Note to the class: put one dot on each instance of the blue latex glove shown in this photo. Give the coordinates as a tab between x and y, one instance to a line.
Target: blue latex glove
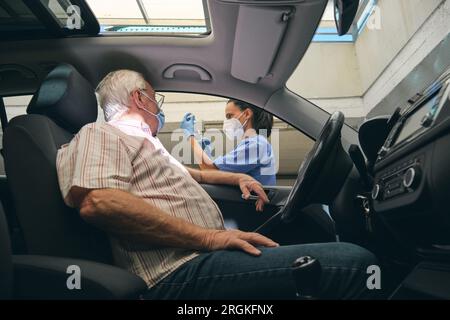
187	124
206	146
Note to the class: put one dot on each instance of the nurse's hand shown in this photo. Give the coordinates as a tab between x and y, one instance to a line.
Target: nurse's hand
206	146
187	124
248	185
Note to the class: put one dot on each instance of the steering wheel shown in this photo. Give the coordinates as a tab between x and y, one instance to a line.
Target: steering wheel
313	184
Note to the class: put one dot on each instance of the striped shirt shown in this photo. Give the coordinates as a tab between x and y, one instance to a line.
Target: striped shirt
124	155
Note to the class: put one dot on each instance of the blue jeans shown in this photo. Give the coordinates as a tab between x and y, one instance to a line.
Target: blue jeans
237	275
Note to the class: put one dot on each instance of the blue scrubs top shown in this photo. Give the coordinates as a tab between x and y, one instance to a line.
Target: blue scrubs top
252	156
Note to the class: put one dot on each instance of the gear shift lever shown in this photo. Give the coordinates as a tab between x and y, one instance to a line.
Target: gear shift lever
307	271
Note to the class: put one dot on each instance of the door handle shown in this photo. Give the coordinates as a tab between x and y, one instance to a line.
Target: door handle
169	73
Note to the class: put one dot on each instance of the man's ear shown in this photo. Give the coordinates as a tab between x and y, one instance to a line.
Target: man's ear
137	98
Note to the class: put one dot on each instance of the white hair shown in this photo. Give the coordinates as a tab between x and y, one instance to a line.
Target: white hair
114	91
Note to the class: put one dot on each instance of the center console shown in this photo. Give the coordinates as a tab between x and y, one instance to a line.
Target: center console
411	190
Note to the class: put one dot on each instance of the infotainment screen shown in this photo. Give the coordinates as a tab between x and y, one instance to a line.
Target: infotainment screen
414	121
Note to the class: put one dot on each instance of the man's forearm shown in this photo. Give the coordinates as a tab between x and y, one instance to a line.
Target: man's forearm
220	177
129	217
215	177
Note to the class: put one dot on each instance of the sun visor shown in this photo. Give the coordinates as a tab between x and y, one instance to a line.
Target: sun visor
259	32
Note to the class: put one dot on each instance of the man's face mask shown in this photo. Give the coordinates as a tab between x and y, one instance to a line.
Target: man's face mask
160	115
233	128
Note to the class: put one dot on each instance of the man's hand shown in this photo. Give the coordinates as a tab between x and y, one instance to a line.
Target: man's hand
248	185
238	240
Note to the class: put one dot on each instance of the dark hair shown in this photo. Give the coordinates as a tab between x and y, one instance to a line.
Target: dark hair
261	119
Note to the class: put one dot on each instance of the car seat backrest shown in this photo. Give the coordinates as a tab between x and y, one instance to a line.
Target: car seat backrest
64	103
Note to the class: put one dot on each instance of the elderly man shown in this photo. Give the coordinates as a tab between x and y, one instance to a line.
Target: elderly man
164	227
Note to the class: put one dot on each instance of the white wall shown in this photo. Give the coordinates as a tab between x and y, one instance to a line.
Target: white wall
413	55
400	20
328	70
355	77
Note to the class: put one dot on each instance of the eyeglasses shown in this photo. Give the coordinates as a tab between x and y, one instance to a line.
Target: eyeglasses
159	99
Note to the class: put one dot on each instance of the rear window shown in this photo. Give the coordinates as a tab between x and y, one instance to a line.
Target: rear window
16	106
151	16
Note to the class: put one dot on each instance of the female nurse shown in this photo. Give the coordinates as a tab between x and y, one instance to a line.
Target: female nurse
253	155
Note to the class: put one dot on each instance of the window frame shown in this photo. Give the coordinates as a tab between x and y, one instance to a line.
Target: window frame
207	25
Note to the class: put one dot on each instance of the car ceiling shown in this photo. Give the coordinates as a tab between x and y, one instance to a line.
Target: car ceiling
152	55
220	58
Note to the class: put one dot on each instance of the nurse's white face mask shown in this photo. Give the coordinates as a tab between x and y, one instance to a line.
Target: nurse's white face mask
233	128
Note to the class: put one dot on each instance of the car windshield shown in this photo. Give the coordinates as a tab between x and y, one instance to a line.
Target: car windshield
382	61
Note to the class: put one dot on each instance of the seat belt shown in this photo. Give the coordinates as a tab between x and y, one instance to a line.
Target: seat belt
3	120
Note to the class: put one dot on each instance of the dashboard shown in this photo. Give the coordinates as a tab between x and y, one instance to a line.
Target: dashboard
411	189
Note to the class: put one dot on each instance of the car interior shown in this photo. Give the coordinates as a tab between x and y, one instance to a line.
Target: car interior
386	185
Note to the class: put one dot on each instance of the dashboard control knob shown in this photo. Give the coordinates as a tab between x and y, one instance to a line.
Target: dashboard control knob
427	120
376	191
411	178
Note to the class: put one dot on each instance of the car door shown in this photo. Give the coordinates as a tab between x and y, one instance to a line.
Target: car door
289	146
241	214
313	224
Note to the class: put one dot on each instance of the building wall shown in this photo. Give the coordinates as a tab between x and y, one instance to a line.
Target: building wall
421	60
400	20
338	76
328	70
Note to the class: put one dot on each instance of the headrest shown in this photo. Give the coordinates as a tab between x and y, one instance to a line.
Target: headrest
67	98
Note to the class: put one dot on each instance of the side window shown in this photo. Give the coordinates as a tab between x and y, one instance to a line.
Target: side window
289	146
16	105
